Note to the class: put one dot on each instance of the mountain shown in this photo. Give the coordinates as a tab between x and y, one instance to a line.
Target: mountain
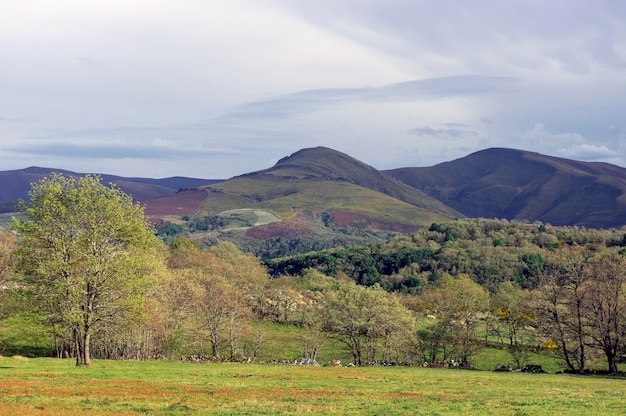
15	184
322	193
321	180
527	186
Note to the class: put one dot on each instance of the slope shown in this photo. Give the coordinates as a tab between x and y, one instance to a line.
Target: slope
317	180
15	184
521	185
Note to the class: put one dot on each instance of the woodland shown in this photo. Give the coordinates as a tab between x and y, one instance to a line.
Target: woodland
85	265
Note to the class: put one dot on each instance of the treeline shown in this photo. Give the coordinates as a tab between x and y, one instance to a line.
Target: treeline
268	248
204	303
489	251
88	266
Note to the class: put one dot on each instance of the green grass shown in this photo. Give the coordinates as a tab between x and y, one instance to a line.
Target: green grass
51	386
280	197
25	335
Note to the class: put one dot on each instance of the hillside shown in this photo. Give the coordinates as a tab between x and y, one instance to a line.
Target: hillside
15	184
527	186
316	198
320	180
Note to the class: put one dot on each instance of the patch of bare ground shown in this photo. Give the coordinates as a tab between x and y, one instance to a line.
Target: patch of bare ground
181	203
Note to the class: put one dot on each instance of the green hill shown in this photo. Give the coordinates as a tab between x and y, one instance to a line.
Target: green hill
320	180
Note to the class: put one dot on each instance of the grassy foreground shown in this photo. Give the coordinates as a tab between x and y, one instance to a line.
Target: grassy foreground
46	386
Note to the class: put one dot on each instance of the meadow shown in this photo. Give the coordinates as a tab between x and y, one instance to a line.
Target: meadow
48	386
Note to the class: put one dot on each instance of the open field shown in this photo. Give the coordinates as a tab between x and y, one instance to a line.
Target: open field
45	386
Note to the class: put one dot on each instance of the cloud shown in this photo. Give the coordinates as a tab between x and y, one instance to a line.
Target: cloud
570	145
589	152
292	104
441	132
156	149
229	87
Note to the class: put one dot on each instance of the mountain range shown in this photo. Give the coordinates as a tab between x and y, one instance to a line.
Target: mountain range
320	190
15	184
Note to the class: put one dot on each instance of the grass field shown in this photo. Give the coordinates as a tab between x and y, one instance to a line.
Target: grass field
46	386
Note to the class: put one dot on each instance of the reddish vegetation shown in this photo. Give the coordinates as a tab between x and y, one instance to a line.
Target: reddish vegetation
344	218
279	229
180	203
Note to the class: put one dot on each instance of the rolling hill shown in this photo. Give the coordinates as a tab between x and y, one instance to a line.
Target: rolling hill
316	193
320	194
15	184
322	180
526	186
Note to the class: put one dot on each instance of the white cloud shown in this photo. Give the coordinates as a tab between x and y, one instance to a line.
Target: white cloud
231	86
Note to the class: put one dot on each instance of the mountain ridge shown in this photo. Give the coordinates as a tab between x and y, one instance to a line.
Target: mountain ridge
490	183
15	184
526	186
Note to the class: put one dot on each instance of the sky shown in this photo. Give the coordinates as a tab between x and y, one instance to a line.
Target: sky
218	88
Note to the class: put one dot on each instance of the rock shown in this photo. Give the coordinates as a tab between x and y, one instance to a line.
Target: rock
533	368
502	367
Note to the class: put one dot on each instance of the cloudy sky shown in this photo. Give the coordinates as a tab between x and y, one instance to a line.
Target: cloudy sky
217	88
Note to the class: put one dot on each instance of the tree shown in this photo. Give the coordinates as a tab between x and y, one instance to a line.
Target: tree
7	258
87	253
512	308
361	316
559	302
222	311
344	316
605	308
7	254
457	304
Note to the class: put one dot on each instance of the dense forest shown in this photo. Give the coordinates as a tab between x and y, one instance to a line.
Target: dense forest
489	251
87	266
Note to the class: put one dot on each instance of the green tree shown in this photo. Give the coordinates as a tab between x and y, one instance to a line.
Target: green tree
513	310
7	258
361	317
87	254
222	311
7	254
457	305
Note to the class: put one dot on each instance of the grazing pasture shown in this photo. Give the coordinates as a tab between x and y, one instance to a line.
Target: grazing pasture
46	386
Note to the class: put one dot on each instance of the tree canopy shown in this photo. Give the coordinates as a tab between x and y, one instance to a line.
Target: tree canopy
87	254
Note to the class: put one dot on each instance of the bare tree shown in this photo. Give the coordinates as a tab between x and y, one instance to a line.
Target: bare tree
559	304
605	306
222	310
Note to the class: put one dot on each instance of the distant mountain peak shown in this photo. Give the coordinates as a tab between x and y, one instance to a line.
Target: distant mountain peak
324	162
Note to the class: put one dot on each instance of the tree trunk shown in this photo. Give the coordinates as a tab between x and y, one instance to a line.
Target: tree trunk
77	348
87	349
611	358
215	345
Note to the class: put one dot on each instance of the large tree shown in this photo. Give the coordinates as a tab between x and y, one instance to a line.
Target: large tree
7	257
360	317
86	253
457	305
605	308
560	302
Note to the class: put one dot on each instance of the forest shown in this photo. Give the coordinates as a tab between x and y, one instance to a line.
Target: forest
85	264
